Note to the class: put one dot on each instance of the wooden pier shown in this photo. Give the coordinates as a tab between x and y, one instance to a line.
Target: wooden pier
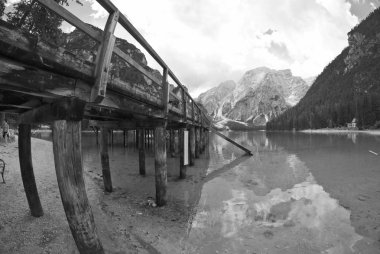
46	84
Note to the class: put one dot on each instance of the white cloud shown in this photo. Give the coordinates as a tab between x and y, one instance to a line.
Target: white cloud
209	41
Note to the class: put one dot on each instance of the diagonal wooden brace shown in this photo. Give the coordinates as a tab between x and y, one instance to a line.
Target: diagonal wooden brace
103	59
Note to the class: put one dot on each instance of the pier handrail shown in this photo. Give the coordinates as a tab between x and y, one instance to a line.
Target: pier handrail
107	40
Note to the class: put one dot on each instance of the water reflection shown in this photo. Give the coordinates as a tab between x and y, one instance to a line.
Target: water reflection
271	203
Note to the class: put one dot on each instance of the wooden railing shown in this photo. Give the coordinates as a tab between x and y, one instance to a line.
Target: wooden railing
190	110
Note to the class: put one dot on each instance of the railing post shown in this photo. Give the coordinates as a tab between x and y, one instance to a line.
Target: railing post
103	58
165	94
184	104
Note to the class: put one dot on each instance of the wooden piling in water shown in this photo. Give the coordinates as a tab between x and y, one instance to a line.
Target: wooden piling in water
160	165
97	135
200	141
191	146
142	151
172	142
181	144
26	167
104	157
69	170
123	138
197	147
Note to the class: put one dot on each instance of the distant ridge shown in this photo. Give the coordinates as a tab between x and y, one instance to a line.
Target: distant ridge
348	88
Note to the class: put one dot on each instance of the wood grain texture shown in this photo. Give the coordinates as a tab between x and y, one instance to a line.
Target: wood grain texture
160	164
103	58
181	143
68	166
104	157
27	174
142	141
197	145
192	146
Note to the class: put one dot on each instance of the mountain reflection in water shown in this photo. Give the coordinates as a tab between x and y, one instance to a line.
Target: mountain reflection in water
271	203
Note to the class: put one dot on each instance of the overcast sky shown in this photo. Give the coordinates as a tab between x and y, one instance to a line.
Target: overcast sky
206	42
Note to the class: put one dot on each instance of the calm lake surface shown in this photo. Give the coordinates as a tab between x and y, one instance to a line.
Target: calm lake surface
299	193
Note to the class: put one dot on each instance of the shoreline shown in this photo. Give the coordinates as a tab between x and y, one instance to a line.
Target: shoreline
123	218
339	131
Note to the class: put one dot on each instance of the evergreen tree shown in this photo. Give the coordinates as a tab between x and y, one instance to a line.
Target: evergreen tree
2	7
34	18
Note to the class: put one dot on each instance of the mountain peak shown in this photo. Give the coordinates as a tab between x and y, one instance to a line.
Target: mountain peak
262	93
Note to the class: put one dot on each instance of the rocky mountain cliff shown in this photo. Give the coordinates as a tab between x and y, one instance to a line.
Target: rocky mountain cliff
260	95
348	88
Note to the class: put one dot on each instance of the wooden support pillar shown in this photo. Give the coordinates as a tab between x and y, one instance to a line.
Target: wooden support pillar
172	143
192	145
160	165
105	161
111	138
123	138
142	151
197	148
136	138
201	139
27	174
181	143
97	135
69	170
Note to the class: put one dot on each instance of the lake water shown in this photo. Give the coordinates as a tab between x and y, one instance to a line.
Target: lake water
298	193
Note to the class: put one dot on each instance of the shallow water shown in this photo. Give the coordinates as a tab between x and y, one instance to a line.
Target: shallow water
298	193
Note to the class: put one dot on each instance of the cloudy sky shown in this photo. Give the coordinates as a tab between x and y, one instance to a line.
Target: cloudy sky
206	42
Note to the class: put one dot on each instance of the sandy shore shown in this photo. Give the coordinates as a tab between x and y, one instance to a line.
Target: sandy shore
125	223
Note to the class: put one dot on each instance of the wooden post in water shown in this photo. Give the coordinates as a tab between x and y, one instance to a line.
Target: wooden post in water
69	170
201	140
105	161
142	151
97	135
160	164
181	143
27	174
197	142
112	138
192	146
172	143
123	138
136	138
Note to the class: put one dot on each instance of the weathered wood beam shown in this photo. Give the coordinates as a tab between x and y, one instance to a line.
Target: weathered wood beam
15	106
69	170
172	142
28	50
69	108
246	150
197	140
103	58
27	174
142	151
191	146
181	144
105	160
165	93
160	164
113	124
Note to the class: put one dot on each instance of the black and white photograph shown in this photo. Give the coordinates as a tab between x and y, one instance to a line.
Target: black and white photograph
189	126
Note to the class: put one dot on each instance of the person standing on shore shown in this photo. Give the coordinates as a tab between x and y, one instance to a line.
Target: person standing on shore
5	131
